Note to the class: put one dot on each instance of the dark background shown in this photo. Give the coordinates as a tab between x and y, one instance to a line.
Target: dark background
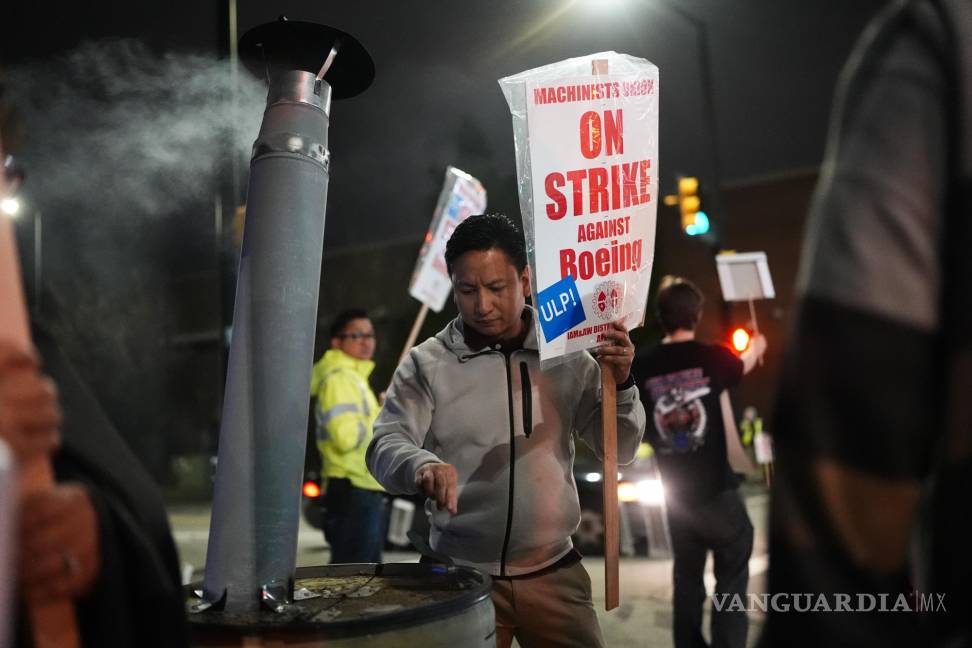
134	125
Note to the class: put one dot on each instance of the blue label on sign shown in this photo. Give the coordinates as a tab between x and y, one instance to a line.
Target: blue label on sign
560	308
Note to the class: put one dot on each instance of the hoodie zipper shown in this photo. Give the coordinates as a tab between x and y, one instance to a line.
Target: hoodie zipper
527	399
509	506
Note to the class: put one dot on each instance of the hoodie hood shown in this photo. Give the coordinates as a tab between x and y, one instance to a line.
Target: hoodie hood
454	339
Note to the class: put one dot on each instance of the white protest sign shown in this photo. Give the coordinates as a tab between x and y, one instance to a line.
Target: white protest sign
587	164
462	196
744	276
763	444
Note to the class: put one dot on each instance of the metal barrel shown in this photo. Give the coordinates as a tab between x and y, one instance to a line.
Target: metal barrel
256	503
365	606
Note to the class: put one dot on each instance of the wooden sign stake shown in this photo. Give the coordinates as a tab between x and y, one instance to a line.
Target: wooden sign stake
612	541
416	327
53	622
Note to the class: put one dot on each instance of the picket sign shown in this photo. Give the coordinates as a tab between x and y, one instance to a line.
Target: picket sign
586	137
745	277
53	623
587	165
462	196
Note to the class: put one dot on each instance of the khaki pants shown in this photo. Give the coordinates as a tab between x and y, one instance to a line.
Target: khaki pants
550	608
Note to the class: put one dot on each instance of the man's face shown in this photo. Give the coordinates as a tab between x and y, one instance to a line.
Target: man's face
357	339
490	293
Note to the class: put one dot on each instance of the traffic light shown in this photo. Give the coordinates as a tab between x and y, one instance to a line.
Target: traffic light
695	222
740	339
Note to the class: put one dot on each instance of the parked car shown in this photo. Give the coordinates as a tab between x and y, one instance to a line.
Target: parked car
641	496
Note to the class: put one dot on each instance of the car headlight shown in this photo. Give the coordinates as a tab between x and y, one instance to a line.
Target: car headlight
627	492
647	491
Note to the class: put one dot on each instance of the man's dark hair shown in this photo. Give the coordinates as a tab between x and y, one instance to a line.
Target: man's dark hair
486	232
679	304
344	318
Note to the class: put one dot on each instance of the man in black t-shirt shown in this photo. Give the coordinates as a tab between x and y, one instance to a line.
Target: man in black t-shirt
684	387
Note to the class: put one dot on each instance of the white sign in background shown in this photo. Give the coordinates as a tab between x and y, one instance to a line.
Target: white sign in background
462	196
592	142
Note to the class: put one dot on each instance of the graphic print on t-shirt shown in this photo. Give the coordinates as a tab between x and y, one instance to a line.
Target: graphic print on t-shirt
679	413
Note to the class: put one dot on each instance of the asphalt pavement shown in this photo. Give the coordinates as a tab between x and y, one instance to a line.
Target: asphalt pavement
643	619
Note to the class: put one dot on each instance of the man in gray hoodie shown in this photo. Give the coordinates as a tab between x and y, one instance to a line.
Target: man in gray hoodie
472	422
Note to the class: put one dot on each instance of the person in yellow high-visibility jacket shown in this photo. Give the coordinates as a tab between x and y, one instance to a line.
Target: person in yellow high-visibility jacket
751	425
354	517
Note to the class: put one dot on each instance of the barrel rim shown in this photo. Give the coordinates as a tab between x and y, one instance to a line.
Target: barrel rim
204	623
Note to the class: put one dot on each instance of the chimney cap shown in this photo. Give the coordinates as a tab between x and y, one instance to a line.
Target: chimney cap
294	45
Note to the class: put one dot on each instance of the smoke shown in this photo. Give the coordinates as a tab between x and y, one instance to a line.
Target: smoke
125	152
116	128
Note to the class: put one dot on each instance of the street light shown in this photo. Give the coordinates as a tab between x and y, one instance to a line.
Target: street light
13	208
10	207
713	235
708	113
715	218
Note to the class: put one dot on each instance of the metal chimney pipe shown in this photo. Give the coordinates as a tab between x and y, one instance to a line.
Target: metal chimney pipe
256	504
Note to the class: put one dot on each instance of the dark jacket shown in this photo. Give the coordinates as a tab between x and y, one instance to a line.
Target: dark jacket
137	599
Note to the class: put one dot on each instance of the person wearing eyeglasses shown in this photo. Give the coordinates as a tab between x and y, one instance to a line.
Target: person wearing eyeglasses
354	516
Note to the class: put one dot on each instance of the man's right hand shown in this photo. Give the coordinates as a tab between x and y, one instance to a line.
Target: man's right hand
30	416
439	481
759	344
752	355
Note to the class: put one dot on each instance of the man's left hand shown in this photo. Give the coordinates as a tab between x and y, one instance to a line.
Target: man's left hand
59	543
617	351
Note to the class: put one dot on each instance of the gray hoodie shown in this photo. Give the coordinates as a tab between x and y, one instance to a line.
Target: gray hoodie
450	404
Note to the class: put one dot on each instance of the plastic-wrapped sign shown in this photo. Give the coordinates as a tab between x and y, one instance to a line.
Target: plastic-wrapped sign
462	196
586	133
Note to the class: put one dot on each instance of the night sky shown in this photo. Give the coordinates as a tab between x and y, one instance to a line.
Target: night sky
435	100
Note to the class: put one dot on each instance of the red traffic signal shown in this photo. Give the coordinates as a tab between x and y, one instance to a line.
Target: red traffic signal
740	339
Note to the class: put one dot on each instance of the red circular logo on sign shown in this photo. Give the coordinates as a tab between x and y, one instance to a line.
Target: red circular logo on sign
608	300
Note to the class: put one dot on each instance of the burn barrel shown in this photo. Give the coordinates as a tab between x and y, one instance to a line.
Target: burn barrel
361	606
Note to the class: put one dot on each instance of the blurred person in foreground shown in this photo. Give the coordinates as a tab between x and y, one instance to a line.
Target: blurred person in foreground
354	503
473	423
874	418
100	536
